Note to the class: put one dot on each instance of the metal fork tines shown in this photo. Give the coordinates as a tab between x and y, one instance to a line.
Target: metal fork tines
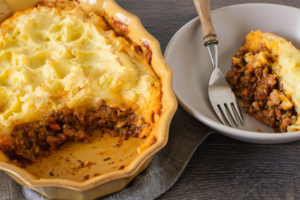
220	94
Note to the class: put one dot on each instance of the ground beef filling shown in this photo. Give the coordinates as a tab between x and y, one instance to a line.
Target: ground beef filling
253	80
31	141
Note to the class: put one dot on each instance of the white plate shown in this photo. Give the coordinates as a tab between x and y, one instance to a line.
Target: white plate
192	66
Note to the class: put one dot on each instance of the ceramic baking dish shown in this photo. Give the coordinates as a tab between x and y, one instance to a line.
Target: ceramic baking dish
115	180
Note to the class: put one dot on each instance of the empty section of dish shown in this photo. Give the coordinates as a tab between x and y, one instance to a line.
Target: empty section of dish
102	155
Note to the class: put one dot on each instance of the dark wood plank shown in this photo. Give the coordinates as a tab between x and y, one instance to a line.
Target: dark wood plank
240	172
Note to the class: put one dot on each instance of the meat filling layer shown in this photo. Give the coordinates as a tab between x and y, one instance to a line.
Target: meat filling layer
31	141
252	79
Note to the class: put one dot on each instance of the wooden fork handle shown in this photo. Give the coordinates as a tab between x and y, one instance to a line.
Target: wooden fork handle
209	33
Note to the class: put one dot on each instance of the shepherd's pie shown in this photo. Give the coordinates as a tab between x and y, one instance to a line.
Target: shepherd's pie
265	73
64	73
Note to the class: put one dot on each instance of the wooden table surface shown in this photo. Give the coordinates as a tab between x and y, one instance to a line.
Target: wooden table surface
223	168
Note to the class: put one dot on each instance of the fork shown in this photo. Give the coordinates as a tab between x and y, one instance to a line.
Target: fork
220	94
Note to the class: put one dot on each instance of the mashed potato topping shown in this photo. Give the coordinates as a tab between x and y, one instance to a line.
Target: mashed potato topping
51	58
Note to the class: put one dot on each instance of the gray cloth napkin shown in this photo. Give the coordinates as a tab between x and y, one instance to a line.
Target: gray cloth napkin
186	133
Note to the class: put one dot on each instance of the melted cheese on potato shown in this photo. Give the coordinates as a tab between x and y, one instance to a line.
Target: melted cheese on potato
52	58
287	66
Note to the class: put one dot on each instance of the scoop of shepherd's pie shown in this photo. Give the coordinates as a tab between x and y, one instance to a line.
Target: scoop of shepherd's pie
265	73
